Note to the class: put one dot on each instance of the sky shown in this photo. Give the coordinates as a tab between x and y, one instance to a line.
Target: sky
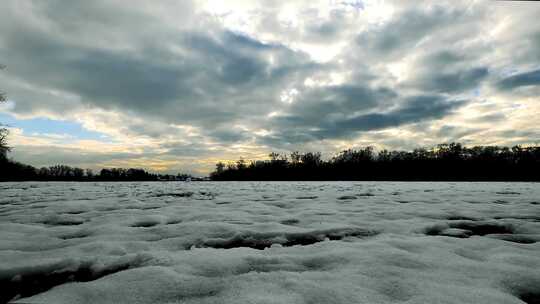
176	86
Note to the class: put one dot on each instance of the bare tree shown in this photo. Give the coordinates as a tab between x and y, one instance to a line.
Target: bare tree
3	131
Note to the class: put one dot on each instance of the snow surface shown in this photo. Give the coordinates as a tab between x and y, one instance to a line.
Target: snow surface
277	242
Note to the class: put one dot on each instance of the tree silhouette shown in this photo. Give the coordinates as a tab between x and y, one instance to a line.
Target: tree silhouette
443	162
15	171
4	148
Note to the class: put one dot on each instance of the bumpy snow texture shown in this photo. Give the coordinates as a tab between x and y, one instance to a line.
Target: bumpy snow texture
312	242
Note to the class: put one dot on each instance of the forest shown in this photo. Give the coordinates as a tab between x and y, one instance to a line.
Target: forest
444	162
15	171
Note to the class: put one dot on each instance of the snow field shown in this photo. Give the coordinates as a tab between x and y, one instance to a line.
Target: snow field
270	242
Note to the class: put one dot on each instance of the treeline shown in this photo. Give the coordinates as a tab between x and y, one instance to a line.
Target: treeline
15	171
445	162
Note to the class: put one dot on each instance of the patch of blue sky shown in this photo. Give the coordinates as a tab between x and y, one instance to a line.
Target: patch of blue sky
43	125
356	4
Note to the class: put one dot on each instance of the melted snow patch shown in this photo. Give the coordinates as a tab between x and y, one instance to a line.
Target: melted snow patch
258	240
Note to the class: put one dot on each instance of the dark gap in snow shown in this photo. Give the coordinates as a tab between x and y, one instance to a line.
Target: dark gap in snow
150	207
63	222
282	205
307	197
508	193
530	297
474	202
181	194
145	224
261	241
74	212
461	218
365	194
290	222
347	197
208	193
435	229
477	228
403	202
526	288
75	235
466	229
500	202
223	203
535	203
39	280
106	209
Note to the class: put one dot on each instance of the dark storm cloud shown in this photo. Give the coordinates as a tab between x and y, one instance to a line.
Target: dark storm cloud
451	82
314	115
317	104
124	80
414	109
104	77
531	78
409	110
206	84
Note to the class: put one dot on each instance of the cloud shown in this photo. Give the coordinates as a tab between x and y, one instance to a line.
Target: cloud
415	109
453	82
531	78
408	29
407	110
193	86
168	81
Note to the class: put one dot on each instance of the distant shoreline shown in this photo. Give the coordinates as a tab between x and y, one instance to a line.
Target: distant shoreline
443	163
247	181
